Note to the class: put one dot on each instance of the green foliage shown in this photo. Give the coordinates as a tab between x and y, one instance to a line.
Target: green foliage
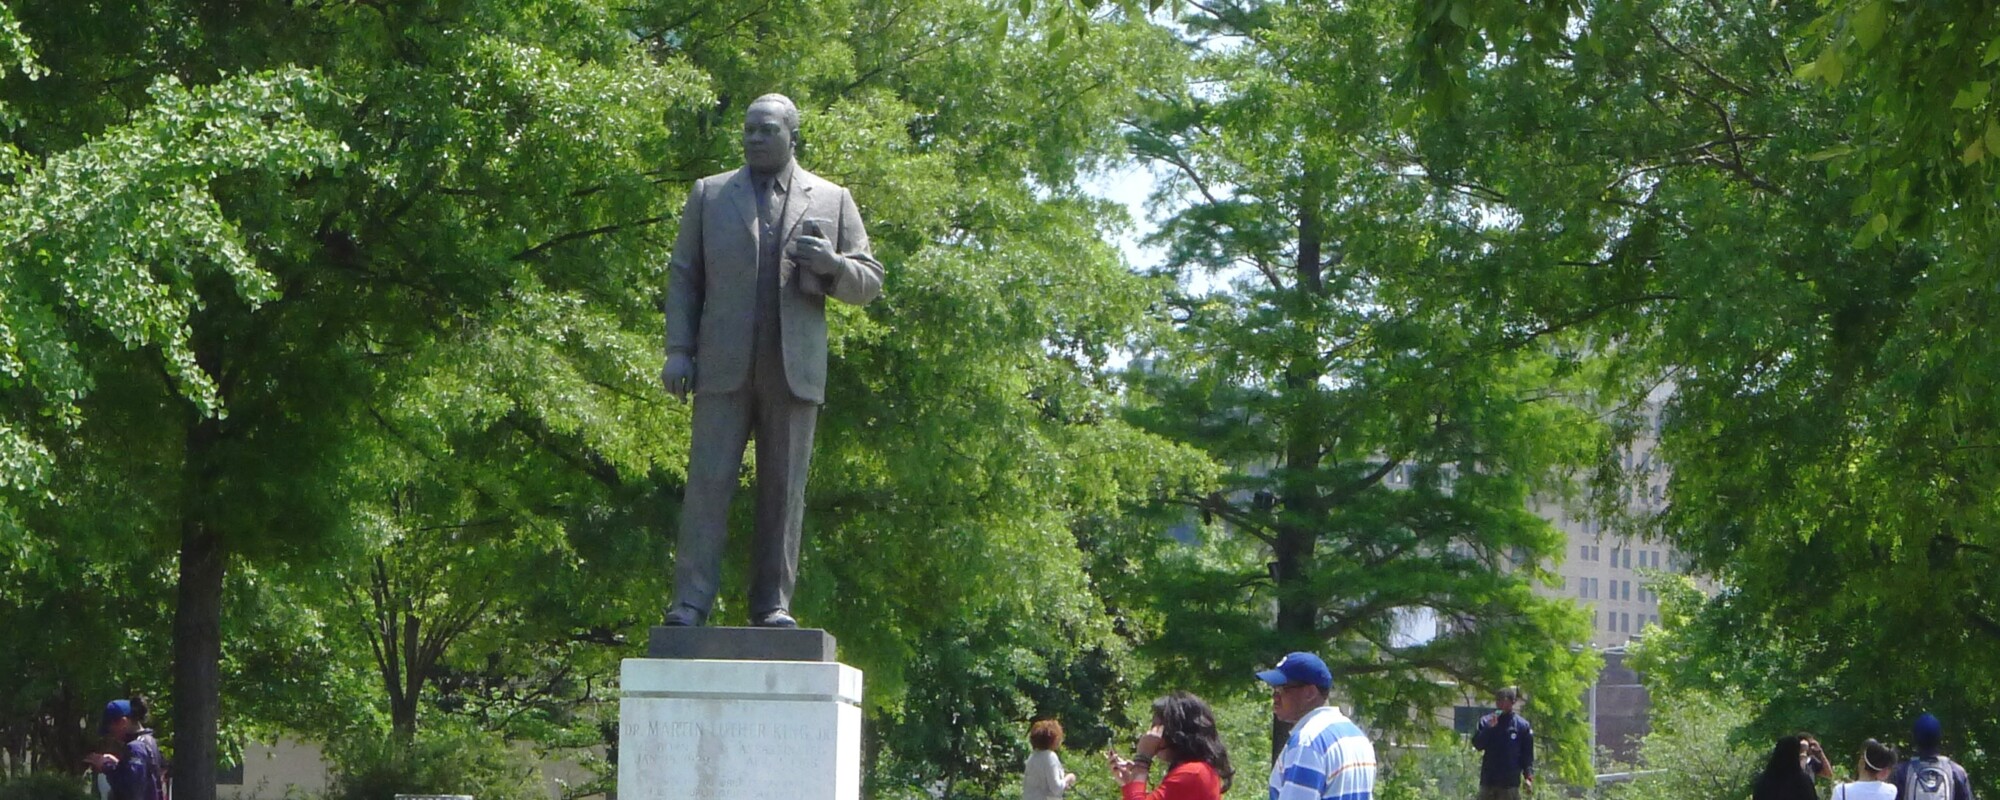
399	364
1801	262
1384	422
1928	127
443	760
43	786
1696	747
118	233
1445	767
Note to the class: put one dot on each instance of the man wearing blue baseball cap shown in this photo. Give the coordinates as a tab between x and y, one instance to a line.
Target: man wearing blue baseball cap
1930	776
135	775
1327	757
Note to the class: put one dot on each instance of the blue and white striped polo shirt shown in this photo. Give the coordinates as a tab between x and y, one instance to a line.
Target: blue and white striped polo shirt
1326	758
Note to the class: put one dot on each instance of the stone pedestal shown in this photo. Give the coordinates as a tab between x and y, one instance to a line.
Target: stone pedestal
711	729
741	644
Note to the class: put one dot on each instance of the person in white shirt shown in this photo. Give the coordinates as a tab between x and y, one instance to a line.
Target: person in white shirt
1045	778
1871	774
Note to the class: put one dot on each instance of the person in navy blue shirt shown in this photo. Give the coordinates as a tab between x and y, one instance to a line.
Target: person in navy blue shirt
1507	745
135	773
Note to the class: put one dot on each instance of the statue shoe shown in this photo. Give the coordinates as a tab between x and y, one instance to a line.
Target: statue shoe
681	616
775	619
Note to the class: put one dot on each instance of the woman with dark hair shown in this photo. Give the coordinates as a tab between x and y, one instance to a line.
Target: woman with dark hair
1045	778
1871	775
1788	775
142	710
1183	734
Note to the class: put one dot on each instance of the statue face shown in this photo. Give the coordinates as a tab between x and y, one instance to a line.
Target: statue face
767	142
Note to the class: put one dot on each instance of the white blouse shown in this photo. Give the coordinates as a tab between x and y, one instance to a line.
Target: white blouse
1045	777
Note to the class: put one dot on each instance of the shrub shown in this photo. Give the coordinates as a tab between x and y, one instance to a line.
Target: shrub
43	786
434	762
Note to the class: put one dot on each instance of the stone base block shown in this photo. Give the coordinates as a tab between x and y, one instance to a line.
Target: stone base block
741	644
739	730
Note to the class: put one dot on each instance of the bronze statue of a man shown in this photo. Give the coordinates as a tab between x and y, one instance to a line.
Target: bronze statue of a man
760	250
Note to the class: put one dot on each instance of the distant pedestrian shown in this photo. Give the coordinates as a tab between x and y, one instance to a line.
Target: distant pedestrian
1871	775
1184	735
1929	775
1507	749
1327	756
1045	778
1788	775
135	770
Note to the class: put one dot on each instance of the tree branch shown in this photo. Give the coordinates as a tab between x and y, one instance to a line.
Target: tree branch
585	234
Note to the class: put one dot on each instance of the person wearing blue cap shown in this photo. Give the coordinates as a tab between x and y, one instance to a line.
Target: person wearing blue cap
137	774
1930	776
1326	757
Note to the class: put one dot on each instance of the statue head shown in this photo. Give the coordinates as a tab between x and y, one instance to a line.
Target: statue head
770	133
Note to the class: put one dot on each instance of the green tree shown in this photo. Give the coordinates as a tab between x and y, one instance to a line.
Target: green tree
284	309
1385	429
1801	255
407	322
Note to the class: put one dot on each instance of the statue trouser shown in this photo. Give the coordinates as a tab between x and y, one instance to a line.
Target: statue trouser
782	425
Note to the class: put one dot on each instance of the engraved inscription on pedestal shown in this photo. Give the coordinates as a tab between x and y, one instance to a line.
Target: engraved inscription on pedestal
721	730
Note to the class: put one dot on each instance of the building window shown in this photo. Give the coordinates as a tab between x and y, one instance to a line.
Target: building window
1628	559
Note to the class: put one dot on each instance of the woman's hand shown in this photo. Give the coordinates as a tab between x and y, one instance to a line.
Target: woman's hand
1815	754
1124	770
1149	742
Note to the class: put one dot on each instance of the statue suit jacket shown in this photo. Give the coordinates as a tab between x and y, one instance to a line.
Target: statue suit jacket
712	280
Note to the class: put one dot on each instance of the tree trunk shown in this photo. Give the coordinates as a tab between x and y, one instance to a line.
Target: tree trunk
1299	492
198	627
403	708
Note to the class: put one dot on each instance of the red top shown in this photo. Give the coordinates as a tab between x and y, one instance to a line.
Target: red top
1191	780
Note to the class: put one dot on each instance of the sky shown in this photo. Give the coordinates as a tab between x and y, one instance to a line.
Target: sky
1129	184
